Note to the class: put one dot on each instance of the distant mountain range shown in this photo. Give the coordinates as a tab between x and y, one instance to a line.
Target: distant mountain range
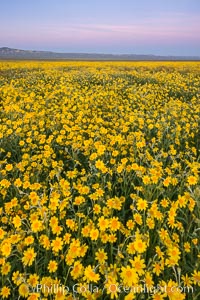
9	53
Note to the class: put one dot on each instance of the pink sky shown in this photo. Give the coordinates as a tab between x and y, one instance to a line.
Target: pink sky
146	27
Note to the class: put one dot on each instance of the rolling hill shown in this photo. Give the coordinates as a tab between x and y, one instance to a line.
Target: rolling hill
10	53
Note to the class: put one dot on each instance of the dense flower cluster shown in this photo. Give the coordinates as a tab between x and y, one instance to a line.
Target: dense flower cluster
99	180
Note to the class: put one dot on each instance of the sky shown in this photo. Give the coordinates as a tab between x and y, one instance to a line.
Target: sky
160	27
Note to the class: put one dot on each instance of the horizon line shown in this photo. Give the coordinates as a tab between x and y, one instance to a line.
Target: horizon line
100	53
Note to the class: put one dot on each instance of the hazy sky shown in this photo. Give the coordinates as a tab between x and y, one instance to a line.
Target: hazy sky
163	27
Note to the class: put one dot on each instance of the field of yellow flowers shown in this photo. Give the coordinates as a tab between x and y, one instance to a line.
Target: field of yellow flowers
99	180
